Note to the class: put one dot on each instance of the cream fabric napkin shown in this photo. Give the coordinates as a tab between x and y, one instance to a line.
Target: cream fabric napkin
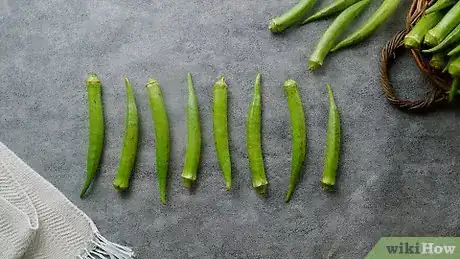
38	221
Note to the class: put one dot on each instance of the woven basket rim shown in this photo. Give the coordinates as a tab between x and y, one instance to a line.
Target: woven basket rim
439	82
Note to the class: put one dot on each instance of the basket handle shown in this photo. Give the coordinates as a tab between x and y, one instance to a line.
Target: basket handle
435	96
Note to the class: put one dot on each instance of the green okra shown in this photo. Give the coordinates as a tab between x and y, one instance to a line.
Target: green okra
452	38
334	31
415	37
386	9
96	130
438	61
299	134
291	17
331	161
161	130
437	34
440	5
254	143
454	68
454	52
453	89
130	139
220	128
454	71
451	59
333	8
193	148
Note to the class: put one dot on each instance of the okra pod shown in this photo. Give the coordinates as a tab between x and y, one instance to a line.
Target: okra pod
299	134
454	52
434	36
440	5
220	128
438	61
331	161
451	59
161	129
452	38
96	130
129	150
454	71
334	31
386	9
291	17
333	8
415	37
254	142
193	148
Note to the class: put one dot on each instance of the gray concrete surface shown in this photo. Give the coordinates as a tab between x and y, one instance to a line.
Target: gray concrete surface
398	175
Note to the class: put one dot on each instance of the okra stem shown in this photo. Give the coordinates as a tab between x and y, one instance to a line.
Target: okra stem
438	61
452	37
291	17
415	37
434	36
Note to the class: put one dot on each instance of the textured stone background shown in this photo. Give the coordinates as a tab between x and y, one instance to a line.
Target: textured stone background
399	172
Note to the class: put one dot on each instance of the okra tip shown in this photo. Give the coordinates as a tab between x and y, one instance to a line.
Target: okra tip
83	191
454	69
313	65
437	64
329	89
453	52
228	186
188	183
152	82
290	83
431	39
343	44
187	179
127	83
120	185
258	77
274	26
453	90
82	194
92	78
338	46
309	19
86	186
262	190
288	196
328	184
221	83
411	43
257	84
428	50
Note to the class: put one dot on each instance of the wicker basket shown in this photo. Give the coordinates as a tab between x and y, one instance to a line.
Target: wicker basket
440	82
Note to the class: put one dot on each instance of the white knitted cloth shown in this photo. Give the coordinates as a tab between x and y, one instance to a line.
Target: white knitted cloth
38	221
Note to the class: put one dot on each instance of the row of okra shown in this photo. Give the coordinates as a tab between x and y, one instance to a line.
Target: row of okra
220	132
